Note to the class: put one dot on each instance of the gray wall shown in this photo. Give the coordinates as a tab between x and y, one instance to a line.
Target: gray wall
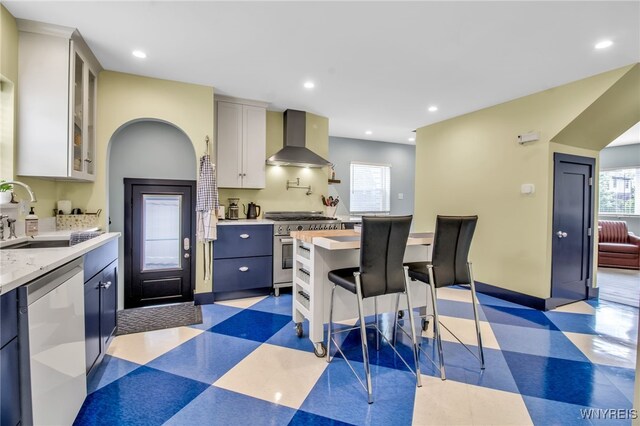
401	157
619	157
144	149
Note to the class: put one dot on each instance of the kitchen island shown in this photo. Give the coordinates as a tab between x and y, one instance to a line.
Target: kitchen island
316	253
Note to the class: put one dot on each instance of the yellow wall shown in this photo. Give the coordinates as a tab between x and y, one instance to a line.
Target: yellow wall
123	98
275	196
47	191
472	164
9	77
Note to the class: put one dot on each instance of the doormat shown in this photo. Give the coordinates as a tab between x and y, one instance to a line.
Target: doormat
139	320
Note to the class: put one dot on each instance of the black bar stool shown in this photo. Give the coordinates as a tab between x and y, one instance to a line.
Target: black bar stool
449	266
383	243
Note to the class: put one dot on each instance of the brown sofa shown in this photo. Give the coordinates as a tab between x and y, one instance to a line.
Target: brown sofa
617	247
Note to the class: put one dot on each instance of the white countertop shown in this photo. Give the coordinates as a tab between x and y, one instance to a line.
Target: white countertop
246	222
350	239
20	266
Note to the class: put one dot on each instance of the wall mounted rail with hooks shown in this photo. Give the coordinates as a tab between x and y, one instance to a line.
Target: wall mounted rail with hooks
295	184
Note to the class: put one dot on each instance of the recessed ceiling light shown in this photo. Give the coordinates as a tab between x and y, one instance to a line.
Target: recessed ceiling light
433	108
412	139
603	44
139	54
309	85
368	132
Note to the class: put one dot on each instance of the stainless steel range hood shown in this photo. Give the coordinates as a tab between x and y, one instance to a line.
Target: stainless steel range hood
295	152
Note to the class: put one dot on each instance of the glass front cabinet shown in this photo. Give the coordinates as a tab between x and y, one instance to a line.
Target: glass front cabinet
82	118
58	77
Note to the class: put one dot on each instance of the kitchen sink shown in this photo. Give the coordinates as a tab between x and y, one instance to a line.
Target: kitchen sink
38	244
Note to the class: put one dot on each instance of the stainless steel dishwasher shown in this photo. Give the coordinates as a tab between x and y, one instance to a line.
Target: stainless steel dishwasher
52	346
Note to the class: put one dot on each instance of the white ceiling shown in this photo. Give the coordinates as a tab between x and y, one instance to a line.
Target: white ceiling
629	137
377	65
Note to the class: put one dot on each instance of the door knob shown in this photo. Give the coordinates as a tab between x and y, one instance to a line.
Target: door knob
561	234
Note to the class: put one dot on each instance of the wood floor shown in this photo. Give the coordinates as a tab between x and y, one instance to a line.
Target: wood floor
619	285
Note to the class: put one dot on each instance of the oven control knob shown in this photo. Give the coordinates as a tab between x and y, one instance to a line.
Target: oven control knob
312	227
288	229
299	228
280	229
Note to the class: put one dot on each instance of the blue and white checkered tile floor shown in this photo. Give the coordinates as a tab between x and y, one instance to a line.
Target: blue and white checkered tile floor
245	365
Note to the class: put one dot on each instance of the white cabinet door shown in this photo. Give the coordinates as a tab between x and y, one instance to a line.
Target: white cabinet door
241	145
229	143
43	107
56	109
254	146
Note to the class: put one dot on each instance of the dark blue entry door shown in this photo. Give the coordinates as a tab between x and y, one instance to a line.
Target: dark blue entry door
572	252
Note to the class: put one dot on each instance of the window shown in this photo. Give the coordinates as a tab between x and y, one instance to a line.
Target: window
619	191
370	188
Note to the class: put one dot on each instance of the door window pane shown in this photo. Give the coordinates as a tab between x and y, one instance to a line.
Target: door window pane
161	239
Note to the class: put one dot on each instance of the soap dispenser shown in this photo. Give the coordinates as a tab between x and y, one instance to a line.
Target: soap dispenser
31	224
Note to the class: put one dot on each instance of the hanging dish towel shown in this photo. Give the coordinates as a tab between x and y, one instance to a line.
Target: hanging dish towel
207	205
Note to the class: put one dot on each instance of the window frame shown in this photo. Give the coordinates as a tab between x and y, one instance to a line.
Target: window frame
617	214
364	212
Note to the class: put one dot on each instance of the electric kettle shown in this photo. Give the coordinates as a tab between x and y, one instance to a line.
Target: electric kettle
252	212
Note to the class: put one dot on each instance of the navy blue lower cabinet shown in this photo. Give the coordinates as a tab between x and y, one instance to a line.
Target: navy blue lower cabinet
243	261
242	273
10	414
92	320
243	241
8	317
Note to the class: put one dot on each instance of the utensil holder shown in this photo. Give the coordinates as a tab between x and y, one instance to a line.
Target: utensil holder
331	211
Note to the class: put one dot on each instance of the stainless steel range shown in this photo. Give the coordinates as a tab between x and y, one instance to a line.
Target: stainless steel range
283	243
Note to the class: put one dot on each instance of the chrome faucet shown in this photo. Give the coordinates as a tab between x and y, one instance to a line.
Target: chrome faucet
24	185
12	228
2	218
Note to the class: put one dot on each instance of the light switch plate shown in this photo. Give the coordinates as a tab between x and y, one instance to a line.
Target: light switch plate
400	196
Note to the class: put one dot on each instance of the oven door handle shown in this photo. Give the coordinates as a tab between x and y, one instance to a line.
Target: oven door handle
286	240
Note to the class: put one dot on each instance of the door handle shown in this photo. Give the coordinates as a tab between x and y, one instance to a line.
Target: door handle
105	285
186	244
561	234
243	269
244	236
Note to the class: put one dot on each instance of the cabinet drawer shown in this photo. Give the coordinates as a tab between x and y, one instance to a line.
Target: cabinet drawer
8	317
243	241
242	273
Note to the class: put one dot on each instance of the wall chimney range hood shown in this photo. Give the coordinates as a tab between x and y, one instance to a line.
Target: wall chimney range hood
295	152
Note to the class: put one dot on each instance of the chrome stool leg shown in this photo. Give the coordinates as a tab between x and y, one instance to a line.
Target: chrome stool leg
330	326
395	320
363	336
436	322
474	302
375	309
413	330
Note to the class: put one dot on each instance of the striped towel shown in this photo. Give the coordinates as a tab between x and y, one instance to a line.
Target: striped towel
207	187
207	203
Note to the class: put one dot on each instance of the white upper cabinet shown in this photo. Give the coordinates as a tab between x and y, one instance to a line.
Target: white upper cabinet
241	141
57	88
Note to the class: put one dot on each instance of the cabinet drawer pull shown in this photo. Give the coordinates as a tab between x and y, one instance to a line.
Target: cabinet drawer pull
243	268
244	236
88	160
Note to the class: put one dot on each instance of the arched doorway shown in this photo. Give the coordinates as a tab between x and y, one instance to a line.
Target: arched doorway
144	149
